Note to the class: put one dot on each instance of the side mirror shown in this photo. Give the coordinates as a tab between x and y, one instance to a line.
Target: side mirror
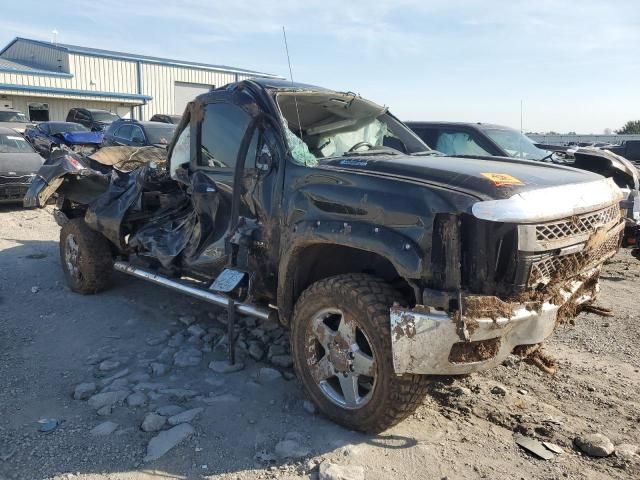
138	140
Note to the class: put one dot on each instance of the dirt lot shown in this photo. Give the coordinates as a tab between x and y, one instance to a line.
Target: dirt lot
254	423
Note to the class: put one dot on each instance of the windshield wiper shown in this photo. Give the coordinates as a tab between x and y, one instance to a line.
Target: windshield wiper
376	151
426	153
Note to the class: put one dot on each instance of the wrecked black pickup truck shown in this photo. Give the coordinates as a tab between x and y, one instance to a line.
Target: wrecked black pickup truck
387	261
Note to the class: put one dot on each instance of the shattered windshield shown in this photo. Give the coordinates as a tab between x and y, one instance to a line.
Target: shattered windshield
14	144
323	125
8	116
516	144
160	134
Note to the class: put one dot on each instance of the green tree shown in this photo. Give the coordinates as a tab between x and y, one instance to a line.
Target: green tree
631	127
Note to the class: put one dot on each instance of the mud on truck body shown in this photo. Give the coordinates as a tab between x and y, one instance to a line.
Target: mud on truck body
387	261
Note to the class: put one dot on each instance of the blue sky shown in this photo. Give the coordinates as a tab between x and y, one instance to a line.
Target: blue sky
575	65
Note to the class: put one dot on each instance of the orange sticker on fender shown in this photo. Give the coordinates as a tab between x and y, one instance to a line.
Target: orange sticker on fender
500	179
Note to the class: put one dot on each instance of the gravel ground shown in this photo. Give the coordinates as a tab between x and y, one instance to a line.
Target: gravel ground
149	352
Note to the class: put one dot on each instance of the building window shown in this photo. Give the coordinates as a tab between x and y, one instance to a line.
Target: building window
39	112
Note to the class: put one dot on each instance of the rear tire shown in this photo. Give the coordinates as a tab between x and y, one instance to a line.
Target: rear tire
341	345
86	257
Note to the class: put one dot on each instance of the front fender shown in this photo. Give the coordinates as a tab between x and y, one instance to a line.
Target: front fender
401	251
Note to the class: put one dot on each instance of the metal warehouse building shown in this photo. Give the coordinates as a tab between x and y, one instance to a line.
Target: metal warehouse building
44	80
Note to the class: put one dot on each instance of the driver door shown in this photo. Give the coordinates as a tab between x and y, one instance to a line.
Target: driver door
219	152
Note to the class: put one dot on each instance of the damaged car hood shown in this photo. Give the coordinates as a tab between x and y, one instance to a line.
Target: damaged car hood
488	179
81	138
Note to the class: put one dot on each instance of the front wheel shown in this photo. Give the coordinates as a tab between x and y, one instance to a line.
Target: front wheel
341	344
86	257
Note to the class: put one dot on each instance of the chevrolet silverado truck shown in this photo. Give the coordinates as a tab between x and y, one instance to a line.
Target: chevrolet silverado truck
388	262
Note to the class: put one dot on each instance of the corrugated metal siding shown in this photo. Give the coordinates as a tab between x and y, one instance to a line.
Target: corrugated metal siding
103	74
106	74
58	108
33	54
158	82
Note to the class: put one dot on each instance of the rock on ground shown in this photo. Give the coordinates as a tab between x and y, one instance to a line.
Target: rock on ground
291	449
185	417
189	357
107	399
137	399
595	445
169	410
196	331
108	365
84	390
153	422
284	361
266	374
187	319
165	441
104	411
105	428
158	369
332	471
222	366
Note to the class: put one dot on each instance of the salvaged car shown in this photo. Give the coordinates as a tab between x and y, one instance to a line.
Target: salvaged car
478	140
94	119
138	133
18	165
321	210
49	135
14	119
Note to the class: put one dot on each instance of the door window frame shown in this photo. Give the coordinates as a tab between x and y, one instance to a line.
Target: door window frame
196	157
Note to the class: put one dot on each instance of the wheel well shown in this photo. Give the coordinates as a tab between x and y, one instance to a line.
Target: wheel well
320	261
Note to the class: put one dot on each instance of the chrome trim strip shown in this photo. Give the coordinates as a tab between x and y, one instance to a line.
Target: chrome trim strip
550	203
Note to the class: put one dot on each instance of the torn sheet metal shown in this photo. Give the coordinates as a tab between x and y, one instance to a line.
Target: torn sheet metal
60	166
131	199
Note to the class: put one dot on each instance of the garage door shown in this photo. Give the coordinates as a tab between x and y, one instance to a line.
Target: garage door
185	92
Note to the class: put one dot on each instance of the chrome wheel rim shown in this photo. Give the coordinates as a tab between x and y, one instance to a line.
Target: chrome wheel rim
341	359
71	256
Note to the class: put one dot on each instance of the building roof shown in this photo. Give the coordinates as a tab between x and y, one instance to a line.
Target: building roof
13	66
97	52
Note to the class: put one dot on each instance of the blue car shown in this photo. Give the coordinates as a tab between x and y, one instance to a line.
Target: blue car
49	135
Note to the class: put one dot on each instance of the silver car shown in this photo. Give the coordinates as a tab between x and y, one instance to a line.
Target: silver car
14	119
19	163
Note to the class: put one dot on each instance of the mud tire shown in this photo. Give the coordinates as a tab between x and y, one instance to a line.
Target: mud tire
394	397
94	262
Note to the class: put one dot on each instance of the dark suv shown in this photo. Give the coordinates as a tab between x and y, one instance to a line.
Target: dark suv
94	119
138	134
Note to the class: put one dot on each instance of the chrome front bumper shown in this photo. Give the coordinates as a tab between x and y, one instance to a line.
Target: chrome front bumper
425	340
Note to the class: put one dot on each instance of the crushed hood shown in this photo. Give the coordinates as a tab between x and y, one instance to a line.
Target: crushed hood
487	178
81	138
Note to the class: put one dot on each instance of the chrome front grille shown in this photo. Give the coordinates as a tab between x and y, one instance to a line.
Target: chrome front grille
579	224
569	265
567	231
